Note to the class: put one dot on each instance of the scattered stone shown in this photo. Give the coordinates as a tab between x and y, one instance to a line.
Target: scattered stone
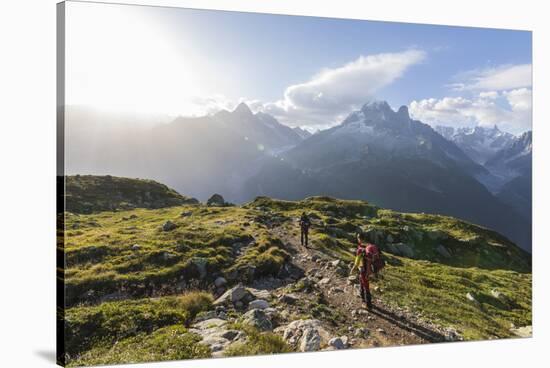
239	304
525	331
335	289
324	281
337	343
209	323
136	247
200	263
361	332
311	340
220	281
257	318
168	226
472	299
186	213
232	295
353	279
452	335
258	304
336	263
381	330
289	298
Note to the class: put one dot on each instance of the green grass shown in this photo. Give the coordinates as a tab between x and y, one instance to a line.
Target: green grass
257	343
100	257
438	294
167	343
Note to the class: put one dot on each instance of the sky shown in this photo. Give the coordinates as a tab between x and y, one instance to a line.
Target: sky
305	71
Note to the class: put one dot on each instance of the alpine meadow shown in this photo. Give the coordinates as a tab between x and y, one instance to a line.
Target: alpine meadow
235	184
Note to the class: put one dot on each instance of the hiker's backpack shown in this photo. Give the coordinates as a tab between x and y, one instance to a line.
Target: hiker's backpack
377	262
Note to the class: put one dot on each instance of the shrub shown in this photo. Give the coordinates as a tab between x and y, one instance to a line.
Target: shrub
195	302
258	343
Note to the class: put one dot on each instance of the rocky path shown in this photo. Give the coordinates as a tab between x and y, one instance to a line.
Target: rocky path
380	326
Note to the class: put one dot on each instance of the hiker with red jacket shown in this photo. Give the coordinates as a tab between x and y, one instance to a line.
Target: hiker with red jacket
369	261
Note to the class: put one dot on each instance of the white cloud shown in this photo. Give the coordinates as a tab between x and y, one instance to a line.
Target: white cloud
330	95
510	110
504	77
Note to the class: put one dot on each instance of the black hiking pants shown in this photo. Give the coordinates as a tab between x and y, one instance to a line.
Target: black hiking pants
304	236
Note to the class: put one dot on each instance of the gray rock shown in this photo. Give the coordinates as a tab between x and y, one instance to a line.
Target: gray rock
353	279
232	295
220	281
361	332
209	323
337	343
258	304
525	331
186	213
257	318
289	298
336	263
311	340
404	250
472	299
200	263
168	226
324	281
136	247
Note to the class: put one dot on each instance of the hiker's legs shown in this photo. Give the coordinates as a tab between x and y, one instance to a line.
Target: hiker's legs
306	236
302	236
365	288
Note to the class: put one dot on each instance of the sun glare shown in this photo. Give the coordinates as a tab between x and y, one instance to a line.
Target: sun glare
119	59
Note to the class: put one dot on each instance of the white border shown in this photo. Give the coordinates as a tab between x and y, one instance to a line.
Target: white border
27	113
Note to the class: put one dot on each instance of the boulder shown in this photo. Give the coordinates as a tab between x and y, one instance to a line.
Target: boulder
168	226
337	343
311	340
220	281
216	200
258	304
233	295
136	247
200	264
209	323
404	250
257	318
289	298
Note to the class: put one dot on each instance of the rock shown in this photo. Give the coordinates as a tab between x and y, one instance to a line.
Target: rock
324	281
186	213
498	295
353	279
289	298
335	289
444	252
220	281
311	340
389	238
437	235
136	247
215	200
525	331
206	315
452	335
258	304
336	263
345	341
232	295
381	330
113	297
337	343
472	299
361	332
257	318
168	226
238	304
209	323
259	294
404	250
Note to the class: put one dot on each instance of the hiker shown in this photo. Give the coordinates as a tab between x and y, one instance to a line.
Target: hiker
368	260
304	228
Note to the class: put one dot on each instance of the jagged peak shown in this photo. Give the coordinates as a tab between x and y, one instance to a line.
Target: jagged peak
376	106
403	112
242	109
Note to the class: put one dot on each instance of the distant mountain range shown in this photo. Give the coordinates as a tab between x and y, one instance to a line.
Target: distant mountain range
376	154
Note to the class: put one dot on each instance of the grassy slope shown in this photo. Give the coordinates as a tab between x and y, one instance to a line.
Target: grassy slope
100	257
92	193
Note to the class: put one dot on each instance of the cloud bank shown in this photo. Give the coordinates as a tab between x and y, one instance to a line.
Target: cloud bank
497	96
333	93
